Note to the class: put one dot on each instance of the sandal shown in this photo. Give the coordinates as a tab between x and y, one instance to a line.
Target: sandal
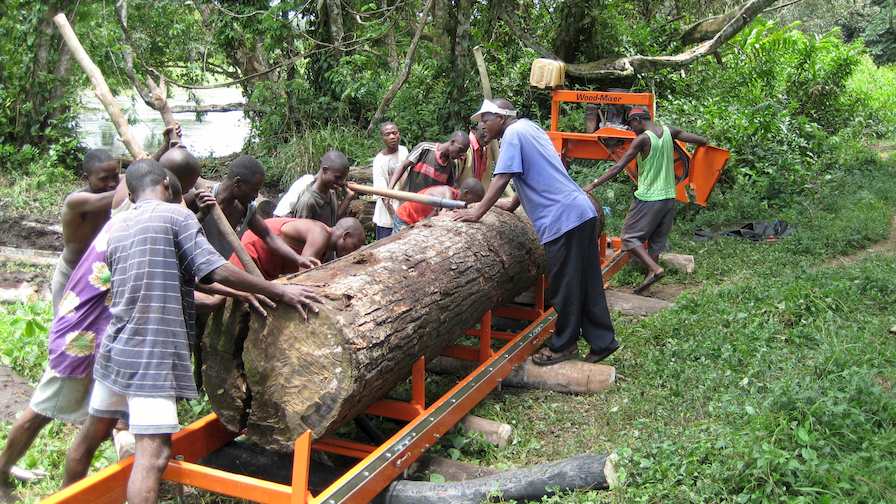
548	357
595	357
650	280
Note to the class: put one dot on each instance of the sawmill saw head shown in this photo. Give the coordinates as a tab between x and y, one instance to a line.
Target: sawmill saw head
606	137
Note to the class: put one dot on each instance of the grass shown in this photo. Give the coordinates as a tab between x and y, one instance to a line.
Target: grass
770	380
36	193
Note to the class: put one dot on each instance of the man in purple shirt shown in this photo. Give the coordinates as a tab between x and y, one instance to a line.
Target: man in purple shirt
565	221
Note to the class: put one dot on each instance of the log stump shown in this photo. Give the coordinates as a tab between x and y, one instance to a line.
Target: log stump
386	304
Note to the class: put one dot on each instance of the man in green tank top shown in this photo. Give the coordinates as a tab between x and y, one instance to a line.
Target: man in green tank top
652	212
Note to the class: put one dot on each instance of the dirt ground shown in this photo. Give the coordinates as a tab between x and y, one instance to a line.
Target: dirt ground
34	234
887	246
40	280
14	394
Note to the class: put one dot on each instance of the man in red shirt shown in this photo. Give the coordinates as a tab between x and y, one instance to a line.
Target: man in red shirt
433	163
411	212
308	237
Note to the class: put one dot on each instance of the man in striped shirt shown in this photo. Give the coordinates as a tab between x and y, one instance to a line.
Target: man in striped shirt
433	163
156	253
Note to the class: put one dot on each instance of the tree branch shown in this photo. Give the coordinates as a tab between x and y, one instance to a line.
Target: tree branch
201	109
633	65
405	71
154	95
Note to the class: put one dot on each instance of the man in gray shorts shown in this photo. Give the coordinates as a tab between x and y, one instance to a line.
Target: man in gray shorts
652	212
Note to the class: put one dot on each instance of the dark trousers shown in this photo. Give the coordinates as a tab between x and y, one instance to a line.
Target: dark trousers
577	290
382	232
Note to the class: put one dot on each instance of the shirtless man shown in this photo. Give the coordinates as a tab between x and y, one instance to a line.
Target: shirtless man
84	213
307	237
236	197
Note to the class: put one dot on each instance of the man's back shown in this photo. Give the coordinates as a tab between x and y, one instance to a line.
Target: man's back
299	232
412	212
552	200
156	252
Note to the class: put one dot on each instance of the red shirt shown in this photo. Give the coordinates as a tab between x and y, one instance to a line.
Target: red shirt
271	264
480	157
412	212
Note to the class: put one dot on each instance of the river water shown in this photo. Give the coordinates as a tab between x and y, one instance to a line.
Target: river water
214	134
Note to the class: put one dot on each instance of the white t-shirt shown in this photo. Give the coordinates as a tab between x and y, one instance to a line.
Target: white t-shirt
284	206
383	168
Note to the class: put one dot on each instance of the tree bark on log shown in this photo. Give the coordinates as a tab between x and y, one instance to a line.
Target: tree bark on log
405	296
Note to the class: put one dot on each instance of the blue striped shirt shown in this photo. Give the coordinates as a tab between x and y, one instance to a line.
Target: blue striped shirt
156	252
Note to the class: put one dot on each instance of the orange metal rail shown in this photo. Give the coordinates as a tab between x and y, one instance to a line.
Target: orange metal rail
378	466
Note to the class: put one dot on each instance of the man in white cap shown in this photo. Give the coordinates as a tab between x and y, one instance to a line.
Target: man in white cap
565	221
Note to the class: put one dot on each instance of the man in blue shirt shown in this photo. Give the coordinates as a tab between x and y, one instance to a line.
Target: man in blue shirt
565	221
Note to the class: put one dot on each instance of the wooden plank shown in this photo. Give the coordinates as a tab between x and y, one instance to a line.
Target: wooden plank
631	304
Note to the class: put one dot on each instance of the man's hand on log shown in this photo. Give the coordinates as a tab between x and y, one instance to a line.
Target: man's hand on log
206	202
505	204
307	262
468	215
256	301
300	298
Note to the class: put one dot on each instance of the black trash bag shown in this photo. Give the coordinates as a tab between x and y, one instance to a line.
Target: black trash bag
756	231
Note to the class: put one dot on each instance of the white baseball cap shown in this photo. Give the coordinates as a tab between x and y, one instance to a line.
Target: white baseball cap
490	107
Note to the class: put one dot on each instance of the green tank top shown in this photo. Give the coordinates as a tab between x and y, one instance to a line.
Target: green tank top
656	172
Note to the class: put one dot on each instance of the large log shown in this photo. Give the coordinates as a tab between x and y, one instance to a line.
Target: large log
386	304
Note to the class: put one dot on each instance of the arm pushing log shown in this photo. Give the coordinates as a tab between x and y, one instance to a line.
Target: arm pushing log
407	196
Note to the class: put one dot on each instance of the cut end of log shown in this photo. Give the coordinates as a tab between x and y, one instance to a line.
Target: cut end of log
496	433
610	475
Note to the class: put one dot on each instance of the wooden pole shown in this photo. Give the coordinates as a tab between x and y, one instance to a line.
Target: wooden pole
234	241
407	196
104	94
101	89
483	73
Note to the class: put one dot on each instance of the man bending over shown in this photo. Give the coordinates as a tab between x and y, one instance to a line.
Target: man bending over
307	237
652	212
412	212
433	163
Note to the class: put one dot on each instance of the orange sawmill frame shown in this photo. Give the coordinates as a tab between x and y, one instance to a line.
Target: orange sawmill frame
378	466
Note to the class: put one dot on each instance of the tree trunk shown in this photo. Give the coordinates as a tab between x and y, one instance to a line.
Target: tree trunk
582	472
403	75
387	304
